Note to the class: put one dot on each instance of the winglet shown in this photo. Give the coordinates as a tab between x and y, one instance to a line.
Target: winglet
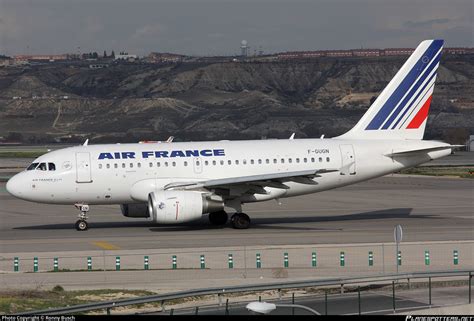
292	136
86	142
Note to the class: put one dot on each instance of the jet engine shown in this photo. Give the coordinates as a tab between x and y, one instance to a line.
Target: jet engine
167	207
135	210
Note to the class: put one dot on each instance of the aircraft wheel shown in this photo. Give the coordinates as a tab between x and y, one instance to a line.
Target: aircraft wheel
240	221
218	218
81	225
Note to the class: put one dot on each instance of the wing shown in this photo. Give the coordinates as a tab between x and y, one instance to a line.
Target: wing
255	182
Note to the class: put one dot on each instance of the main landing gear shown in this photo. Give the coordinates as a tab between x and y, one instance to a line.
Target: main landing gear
238	220
81	224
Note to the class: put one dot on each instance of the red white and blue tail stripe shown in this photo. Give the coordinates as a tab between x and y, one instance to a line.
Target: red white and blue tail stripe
401	110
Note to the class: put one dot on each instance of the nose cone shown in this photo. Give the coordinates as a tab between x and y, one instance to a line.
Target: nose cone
15	186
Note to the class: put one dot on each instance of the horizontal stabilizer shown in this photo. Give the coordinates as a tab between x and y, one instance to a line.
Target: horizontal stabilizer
422	150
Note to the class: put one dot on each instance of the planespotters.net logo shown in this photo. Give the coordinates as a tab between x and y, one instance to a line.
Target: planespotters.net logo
439	318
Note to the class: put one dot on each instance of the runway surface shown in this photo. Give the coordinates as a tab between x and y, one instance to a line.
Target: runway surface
428	208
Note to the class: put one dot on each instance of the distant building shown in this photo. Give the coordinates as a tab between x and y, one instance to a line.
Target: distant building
244	48
98	66
366	52
40	58
164	57
398	51
338	53
470	143
459	51
124	56
6	62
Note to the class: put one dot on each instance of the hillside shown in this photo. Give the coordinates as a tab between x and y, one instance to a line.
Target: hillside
217	101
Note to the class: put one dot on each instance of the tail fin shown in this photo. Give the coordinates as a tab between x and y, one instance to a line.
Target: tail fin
401	110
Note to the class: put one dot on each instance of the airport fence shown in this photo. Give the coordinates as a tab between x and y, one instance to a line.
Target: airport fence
278	261
368	289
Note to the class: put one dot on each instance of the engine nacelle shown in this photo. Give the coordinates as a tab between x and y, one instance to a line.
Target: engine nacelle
135	210
169	207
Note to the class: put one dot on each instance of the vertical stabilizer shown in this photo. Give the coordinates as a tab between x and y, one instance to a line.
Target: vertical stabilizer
401	110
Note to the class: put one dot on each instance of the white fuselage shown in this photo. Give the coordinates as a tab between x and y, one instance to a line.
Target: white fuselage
107	174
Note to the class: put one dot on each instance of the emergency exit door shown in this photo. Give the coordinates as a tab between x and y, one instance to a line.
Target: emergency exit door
348	166
83	168
197	165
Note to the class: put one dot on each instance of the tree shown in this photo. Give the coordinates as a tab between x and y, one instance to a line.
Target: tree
105	54
112	54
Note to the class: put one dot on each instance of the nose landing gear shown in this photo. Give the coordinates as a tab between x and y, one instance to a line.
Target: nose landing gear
81	224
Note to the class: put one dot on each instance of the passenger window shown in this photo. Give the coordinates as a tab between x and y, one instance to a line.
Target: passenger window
237	162
251	161
259	161
229	162
32	166
100	166
274	161
206	163
328	159
131	165
213	162
139	165
305	160
123	165
158	164
51	167
185	163
244	162
298	160
166	164
283	161
267	161
151	164
222	162
107	165
312	159
41	167
174	164
320	159
197	163
289	160
115	165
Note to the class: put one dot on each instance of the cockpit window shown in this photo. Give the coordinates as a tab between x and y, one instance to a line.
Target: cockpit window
42	167
32	166
51	167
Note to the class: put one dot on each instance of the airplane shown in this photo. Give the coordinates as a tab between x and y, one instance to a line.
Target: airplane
179	182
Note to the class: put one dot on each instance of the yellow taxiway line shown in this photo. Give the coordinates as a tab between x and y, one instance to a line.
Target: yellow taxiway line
105	245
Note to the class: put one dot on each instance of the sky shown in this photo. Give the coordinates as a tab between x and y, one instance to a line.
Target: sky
217	27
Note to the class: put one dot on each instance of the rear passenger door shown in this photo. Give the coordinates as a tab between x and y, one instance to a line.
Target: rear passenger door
348	166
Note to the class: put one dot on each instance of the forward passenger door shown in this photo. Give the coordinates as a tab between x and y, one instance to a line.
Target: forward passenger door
83	167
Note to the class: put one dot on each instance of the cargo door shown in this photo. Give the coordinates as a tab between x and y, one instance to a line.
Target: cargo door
83	168
348	161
